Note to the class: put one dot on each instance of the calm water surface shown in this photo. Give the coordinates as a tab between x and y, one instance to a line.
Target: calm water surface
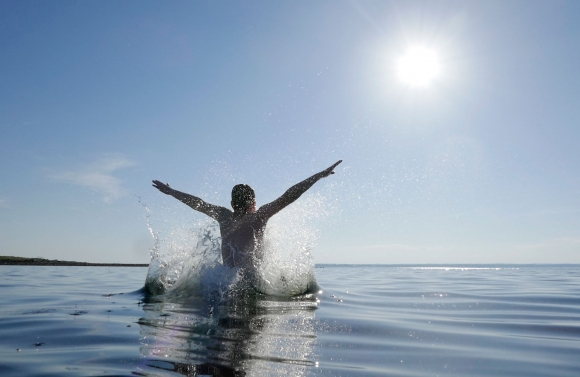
368	320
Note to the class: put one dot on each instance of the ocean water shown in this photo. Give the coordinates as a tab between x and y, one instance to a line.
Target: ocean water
361	321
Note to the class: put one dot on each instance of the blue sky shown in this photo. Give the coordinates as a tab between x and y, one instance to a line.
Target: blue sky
97	98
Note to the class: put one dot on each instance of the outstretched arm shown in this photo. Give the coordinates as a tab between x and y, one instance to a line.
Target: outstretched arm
194	202
294	192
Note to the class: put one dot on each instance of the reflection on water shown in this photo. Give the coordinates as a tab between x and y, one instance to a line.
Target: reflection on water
206	319
246	334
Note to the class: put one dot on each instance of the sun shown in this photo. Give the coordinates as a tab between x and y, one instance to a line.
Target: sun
419	66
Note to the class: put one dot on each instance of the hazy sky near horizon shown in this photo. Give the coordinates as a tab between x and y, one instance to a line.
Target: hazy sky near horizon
482	165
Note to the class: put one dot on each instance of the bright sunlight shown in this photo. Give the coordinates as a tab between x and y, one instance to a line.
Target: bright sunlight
419	66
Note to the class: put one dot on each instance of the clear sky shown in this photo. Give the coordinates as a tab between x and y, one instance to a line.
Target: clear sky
480	164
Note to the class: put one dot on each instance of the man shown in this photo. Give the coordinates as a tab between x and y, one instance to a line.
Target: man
242	230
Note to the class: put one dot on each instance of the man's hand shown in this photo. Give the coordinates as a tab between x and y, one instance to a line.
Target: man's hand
329	171
164	188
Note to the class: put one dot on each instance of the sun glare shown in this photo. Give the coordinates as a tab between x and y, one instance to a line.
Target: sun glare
419	66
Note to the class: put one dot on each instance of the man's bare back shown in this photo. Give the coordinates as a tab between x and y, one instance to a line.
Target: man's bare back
242	230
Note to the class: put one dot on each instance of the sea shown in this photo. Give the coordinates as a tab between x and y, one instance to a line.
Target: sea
351	320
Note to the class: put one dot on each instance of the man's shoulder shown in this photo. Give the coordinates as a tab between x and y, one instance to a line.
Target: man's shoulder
223	214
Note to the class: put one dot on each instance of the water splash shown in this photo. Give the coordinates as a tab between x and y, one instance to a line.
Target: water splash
287	267
186	261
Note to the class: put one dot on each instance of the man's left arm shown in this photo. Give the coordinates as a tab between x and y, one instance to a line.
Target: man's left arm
194	202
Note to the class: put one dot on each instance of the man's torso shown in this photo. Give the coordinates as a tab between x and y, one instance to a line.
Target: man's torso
242	238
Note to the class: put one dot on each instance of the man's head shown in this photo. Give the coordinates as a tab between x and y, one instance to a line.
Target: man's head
243	198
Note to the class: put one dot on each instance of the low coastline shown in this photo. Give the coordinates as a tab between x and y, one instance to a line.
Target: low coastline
19	261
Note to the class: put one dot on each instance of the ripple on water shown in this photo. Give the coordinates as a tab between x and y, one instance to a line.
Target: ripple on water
390	321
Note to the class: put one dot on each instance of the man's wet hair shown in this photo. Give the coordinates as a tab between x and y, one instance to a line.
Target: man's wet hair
243	197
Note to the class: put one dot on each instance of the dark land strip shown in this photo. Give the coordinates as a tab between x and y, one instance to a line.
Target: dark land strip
19	261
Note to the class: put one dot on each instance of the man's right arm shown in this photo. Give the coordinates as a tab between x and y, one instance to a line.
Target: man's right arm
294	192
194	202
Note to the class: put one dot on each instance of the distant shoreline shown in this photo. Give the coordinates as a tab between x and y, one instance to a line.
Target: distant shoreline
19	261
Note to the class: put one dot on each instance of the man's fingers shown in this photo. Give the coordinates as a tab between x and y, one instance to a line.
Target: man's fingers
329	171
158	184
333	166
